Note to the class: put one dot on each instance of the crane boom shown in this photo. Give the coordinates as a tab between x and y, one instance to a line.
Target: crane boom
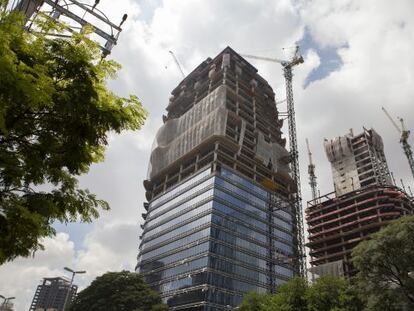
264	58
296	199
403	140
177	63
391	119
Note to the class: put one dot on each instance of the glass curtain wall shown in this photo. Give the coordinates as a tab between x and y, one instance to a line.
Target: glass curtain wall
213	238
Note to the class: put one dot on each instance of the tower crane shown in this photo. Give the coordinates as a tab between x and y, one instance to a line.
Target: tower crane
311	172
403	139
297	199
177	63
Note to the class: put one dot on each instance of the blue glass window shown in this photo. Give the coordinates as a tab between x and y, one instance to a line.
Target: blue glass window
173	192
187	281
230	252
239	215
235	240
182	219
189	296
246	195
234	284
228	222
231	268
177	270
239	203
281	223
182	208
284	214
283	235
282	246
148	265
177	199
177	243
284	271
230	175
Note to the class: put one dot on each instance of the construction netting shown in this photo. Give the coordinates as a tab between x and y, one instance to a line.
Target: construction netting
274	153
179	136
338	148
335	268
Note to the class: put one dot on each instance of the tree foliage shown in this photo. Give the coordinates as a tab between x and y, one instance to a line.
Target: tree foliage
332	294
326	294
384	263
255	302
118	291
55	114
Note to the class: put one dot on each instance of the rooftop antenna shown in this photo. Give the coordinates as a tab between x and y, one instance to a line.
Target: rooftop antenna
403	139
74	13
287	65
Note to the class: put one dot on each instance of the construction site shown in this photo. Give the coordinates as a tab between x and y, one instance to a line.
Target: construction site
364	201
224	213
222	121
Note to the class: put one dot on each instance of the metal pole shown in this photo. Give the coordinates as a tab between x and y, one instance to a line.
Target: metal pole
70	285
68	291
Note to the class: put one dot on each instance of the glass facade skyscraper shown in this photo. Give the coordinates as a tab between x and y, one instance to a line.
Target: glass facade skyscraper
218	221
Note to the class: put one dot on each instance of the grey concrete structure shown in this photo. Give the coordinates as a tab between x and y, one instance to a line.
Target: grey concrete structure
51	294
357	161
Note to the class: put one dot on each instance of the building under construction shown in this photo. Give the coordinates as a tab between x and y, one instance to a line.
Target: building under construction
53	294
364	201
220	222
357	161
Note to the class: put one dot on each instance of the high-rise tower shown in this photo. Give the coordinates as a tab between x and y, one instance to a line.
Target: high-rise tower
219	222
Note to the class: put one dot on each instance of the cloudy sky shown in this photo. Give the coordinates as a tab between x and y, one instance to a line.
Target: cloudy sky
358	57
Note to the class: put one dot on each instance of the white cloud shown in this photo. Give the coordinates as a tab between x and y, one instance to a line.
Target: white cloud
374	39
377	71
21	277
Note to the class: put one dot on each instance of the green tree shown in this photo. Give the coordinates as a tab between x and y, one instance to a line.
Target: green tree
325	294
290	296
255	302
385	264
55	114
118	291
332	294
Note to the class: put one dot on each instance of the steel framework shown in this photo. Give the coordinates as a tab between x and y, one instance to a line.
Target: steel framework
75	15
293	145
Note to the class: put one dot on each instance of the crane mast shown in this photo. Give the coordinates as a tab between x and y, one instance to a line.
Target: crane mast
311	172
294	154
403	139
